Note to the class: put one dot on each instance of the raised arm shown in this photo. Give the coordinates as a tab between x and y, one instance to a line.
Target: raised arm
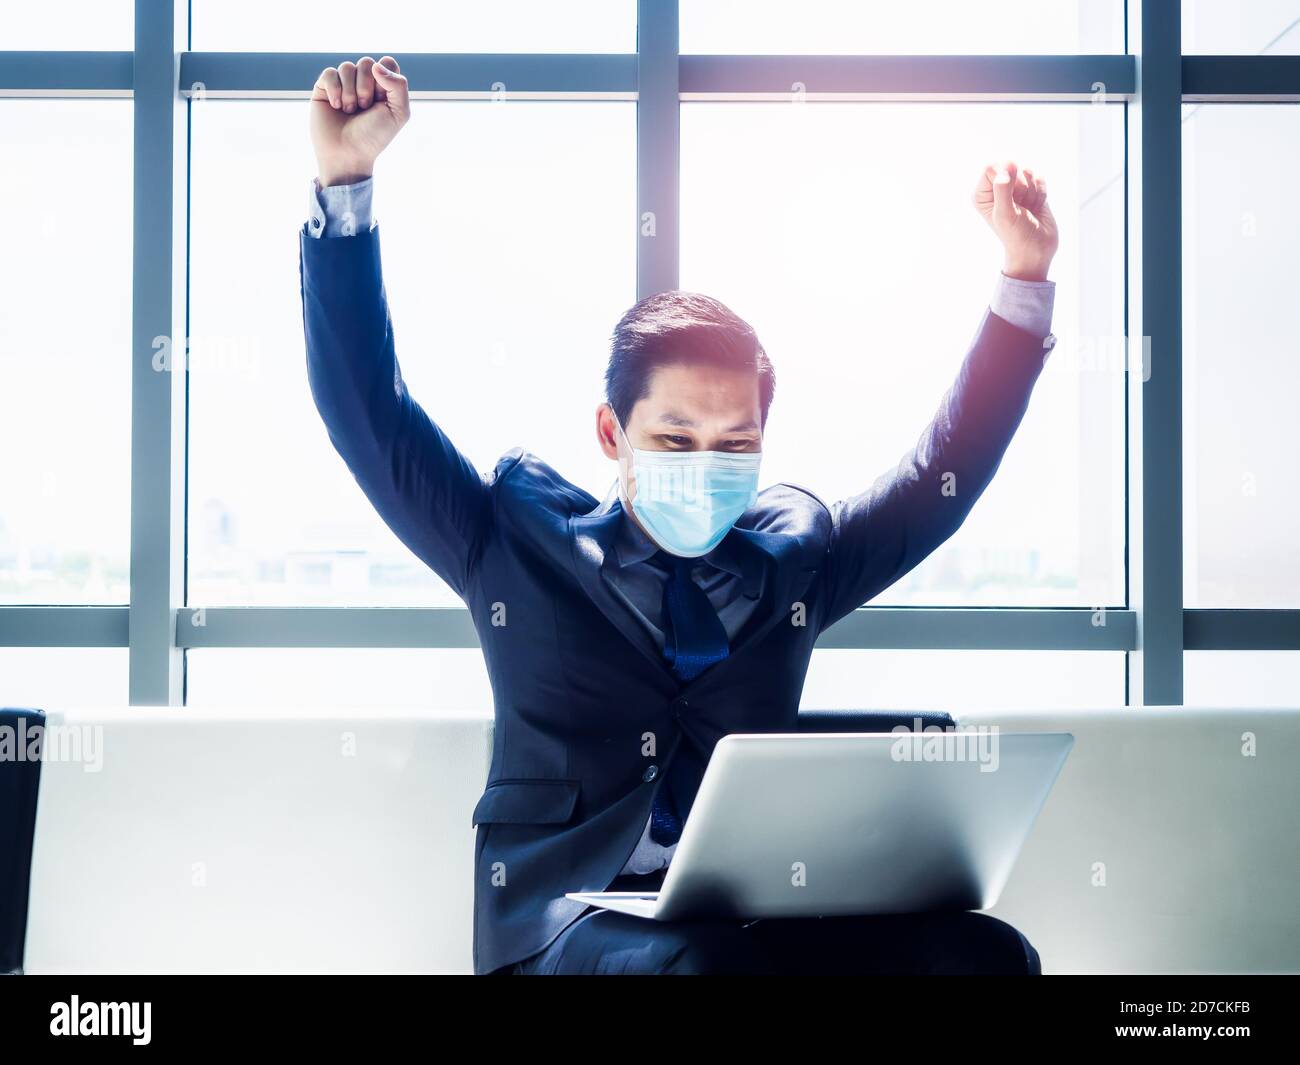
427	492
882	533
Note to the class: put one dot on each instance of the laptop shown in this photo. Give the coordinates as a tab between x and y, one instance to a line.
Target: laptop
839	824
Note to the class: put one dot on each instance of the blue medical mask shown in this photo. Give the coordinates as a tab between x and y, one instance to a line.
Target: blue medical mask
689	500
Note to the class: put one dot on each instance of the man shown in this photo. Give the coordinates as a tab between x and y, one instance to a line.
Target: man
640	629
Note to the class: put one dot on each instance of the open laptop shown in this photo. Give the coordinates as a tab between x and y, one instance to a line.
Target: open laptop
835	824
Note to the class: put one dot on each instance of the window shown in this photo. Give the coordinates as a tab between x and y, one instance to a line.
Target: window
1261	27
76	25
335	25
1243	679
835	27
845	235
65	341
49	678
953	680
449	681
508	257
837	221
1240	375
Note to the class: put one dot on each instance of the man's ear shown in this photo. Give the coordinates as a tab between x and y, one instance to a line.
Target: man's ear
607	431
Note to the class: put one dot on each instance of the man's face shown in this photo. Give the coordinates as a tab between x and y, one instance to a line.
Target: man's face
688	407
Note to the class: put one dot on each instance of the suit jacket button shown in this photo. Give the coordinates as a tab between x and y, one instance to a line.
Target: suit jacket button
650	773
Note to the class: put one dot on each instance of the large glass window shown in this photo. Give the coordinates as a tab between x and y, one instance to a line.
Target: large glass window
65	351
508	241
449	680
412	26
845	234
837	27
74	25
1261	27
51	678
842	230
963	680
1241	258
455	680
1242	679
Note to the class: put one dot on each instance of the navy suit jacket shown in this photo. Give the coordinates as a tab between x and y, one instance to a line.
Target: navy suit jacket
580	694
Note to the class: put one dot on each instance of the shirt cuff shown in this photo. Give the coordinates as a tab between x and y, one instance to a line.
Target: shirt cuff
341	210
1025	304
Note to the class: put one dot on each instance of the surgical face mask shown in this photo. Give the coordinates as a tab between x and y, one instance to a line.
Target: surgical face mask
689	500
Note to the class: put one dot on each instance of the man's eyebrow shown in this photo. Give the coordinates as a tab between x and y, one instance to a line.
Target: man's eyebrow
669	418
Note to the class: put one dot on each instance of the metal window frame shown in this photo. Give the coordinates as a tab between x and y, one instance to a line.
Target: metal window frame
1151	82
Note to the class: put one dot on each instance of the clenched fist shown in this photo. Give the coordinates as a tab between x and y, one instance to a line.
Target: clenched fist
1014	203
356	110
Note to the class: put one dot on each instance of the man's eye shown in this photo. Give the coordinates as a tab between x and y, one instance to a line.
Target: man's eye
676	441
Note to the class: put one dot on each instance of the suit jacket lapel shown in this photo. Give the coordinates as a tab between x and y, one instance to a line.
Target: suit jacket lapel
592	537
785	571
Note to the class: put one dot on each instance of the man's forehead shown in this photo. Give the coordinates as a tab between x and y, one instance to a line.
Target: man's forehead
685	392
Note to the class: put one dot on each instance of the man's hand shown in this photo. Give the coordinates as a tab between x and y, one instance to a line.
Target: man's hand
1014	203
356	110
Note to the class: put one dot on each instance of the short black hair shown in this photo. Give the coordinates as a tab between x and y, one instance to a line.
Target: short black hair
680	327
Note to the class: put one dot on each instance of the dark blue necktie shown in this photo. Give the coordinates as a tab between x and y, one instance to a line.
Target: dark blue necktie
694	639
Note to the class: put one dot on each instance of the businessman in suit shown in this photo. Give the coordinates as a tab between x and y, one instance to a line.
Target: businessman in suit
623	637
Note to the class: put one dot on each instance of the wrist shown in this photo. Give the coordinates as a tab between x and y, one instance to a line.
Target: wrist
342	175
1026	269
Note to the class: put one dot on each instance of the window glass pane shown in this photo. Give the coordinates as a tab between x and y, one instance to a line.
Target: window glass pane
1261	27
841	27
70	25
65	335
439	26
509	254
956	680
1241	678
448	681
455	681
50	678
1241	255
845	234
